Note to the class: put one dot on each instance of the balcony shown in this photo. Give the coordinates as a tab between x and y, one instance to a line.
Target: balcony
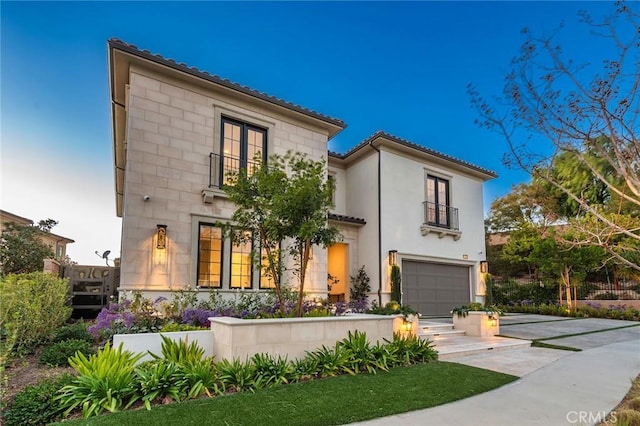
440	219
221	165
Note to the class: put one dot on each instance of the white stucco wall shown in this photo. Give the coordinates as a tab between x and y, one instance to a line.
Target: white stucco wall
171	129
402	195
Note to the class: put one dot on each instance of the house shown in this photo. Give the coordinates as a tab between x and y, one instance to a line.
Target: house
57	243
176	130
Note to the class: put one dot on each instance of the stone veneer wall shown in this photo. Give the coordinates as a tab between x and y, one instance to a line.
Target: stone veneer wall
293	337
172	126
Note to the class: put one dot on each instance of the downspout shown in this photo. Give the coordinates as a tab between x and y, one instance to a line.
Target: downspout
379	231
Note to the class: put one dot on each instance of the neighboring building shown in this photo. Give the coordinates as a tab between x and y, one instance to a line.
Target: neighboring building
177	130
57	243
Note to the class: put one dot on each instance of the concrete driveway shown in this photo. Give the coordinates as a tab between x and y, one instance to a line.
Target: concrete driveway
548	329
556	387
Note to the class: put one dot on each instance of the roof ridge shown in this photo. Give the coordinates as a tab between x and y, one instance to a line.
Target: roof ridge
132	48
402	141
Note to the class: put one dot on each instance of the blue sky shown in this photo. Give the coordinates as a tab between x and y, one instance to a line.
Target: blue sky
398	67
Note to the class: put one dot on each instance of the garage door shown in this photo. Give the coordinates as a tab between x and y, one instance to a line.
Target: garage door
433	288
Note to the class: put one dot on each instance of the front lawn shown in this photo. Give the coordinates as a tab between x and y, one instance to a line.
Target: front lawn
331	401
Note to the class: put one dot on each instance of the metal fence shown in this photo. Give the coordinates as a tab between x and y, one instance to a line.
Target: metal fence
505	290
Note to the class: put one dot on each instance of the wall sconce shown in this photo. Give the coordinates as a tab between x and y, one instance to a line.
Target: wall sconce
161	237
493	321
484	267
393	257
407	326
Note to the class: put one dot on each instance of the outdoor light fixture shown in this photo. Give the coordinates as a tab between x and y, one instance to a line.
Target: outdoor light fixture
493	321
484	267
407	325
161	237
393	257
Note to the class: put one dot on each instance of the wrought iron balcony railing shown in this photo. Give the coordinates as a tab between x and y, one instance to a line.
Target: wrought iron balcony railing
440	215
221	165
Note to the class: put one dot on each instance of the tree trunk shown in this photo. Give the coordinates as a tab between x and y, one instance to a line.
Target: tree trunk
274	272
306	248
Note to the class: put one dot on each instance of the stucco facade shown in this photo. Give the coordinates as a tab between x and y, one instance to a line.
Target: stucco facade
173	127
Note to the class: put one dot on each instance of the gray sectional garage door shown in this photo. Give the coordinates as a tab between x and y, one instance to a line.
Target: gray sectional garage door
433	288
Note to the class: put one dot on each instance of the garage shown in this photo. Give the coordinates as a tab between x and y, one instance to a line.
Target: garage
434	288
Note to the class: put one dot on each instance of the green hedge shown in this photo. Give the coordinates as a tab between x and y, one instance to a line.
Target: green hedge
34	306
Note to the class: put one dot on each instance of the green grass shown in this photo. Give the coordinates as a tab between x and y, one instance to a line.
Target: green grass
562	336
334	401
540	344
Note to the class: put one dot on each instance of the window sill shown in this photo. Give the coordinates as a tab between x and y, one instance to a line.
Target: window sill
441	232
209	194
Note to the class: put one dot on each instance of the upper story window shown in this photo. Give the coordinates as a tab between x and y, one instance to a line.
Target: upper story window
241	143
438	211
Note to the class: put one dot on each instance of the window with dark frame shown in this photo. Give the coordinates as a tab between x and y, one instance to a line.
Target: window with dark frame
437	206
241	265
266	278
224	264
210	246
241	143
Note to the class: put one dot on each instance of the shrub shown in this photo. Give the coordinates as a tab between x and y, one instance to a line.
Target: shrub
105	382
60	352
236	375
360	354
396	280
160	379
360	287
180	352
606	296
202	378
175	326
407	350
77	331
36	405
330	361
270	371
33	307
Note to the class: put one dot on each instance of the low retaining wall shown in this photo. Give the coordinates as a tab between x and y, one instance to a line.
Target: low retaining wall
143	342
477	324
608	303
292	337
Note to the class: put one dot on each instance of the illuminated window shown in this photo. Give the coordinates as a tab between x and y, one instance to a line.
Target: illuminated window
241	144
266	278
210	245
241	267
225	264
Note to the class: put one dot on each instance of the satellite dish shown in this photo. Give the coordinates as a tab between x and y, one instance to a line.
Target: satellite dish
105	255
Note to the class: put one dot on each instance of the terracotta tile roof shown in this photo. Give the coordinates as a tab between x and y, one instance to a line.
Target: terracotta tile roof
130	48
349	219
404	142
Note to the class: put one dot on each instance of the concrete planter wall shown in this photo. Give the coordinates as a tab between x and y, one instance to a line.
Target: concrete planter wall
477	324
292	337
143	342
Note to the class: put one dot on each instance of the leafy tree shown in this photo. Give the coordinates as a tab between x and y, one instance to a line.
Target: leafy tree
283	205
569	264
22	249
574	127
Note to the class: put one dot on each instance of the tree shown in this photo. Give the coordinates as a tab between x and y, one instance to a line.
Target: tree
569	264
555	111
21	248
283	205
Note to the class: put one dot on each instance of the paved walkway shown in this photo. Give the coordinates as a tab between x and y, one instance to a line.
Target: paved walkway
556	387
